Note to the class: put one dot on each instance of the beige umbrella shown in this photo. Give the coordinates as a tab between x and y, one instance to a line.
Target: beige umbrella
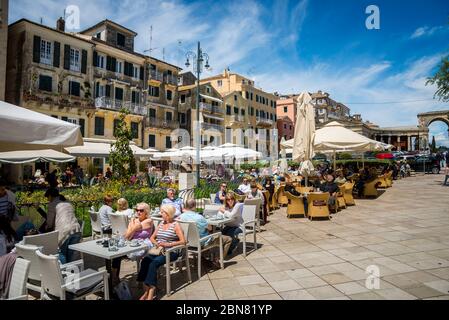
303	143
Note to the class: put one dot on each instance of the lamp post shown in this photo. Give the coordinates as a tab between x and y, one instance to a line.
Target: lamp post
197	59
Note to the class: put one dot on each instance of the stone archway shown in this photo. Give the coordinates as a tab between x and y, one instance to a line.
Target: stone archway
427	118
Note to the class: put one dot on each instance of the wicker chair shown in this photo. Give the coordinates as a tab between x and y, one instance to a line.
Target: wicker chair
389	179
318	210
383	181
295	206
341	198
370	188
281	197
347	194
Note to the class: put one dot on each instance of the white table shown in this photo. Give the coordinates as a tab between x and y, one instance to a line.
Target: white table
97	250
218	222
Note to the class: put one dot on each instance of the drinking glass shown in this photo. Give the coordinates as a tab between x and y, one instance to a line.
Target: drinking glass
113	244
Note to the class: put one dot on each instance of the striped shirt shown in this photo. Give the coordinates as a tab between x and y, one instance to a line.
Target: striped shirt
168	235
4	205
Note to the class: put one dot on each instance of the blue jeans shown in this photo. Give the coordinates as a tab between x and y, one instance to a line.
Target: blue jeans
65	254
149	266
232	232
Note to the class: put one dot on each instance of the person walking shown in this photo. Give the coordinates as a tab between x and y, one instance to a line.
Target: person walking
446	173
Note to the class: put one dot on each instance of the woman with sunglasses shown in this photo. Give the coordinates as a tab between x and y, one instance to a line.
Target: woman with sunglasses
233	210
168	234
142	228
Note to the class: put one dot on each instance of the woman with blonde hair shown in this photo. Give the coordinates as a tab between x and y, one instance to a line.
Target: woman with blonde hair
123	208
168	234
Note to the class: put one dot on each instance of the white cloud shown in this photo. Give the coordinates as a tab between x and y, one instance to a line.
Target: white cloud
427	31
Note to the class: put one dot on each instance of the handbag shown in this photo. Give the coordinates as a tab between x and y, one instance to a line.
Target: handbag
122	291
157	251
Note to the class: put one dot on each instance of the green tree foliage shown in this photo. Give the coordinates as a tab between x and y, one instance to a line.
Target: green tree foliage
441	80
121	156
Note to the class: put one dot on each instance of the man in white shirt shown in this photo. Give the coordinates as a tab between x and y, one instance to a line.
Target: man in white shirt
245	187
104	213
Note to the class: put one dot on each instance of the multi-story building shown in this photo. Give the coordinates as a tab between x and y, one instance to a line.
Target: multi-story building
211	114
162	103
328	109
286	128
48	71
3	45
117	79
259	111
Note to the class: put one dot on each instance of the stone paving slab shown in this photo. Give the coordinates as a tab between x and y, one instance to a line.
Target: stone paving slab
404	232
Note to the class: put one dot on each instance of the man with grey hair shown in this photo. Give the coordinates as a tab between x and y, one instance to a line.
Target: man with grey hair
171	200
190	215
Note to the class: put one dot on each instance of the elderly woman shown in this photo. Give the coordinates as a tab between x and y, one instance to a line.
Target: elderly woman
142	228
167	235
123	208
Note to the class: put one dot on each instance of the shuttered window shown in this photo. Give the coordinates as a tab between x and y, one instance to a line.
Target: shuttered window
99	126
45	83
152	141
135	130
74	88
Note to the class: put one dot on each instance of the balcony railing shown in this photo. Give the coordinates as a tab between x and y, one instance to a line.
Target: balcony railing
210	108
171	79
161	123
117	105
63	100
237	118
211	126
156	75
264	121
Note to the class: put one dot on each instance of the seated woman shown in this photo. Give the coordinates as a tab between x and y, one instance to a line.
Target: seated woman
8	236
123	208
255	193
142	228
340	179
233	210
269	186
167	235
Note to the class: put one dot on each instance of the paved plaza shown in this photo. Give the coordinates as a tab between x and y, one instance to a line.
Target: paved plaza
405	233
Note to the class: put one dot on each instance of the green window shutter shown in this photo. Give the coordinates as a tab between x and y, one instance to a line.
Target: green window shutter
56	54
37	49
84	61
66	57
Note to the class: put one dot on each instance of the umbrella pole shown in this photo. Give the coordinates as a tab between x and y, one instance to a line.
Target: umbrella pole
363	160
335	160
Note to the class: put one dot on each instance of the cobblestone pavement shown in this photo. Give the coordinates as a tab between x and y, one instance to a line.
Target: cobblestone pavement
404	233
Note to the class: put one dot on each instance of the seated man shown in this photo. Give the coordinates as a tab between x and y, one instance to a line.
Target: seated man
171	200
291	189
190	215
331	187
340	179
104	212
221	195
245	188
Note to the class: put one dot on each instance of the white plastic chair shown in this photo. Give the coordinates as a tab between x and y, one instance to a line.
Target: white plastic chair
28	252
212	197
258	204
184	256
72	285
119	223
17	287
194	244
249	225
95	224
48	241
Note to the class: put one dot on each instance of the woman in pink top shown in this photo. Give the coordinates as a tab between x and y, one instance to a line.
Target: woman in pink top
142	228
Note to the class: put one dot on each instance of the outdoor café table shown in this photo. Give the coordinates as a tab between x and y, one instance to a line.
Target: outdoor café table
97	250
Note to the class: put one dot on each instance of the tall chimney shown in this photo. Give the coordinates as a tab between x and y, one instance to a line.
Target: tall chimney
60	24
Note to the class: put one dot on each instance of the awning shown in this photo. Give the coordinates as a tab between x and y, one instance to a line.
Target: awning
211	98
28	156
23	129
205	115
101	150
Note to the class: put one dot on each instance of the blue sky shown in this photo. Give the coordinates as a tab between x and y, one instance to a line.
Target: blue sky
292	46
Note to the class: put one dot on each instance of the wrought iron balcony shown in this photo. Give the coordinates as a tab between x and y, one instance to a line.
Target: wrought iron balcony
264	122
117	105
171	79
156	75
161	123
210	108
212	126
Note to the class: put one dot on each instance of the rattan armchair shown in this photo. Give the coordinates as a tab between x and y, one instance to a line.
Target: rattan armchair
321	210
370	188
347	194
295	206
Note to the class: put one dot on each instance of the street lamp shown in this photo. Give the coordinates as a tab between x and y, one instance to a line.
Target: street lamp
198	58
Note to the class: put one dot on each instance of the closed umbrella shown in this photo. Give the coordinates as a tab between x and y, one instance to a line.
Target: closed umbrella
303	143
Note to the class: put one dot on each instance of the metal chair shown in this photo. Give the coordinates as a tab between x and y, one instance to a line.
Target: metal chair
249	225
119	223
95	223
258	204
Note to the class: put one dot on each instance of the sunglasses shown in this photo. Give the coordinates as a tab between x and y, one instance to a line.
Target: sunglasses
140	210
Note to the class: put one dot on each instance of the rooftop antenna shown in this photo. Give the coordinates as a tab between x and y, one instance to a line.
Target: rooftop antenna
151	42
